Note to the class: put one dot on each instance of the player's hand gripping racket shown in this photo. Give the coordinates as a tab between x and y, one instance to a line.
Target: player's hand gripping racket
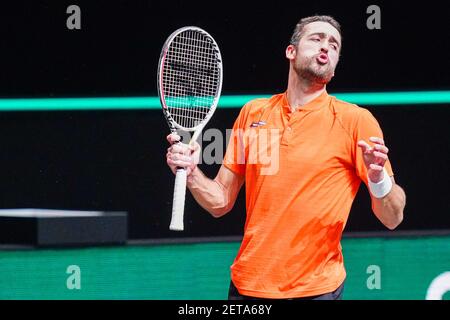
189	87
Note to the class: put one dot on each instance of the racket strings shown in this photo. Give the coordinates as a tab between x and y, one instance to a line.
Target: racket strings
191	77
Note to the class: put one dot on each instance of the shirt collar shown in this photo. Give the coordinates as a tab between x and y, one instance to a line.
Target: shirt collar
315	104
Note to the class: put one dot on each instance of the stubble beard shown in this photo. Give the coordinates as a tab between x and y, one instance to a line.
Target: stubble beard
312	71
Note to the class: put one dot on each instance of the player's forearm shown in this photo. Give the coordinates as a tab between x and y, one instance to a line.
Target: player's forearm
389	209
209	193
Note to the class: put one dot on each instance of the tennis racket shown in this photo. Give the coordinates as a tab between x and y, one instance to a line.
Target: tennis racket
189	87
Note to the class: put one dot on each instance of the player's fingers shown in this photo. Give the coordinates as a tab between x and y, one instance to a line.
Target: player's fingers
173	155
173	138
179	148
364	145
181	157
170	163
179	163
375	167
377	140
381	148
380	158
380	155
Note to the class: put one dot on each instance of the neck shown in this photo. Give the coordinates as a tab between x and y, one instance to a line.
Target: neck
300	91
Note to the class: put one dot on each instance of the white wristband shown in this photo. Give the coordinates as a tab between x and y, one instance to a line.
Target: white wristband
381	188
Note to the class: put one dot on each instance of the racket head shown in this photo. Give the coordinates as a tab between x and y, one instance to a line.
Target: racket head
190	77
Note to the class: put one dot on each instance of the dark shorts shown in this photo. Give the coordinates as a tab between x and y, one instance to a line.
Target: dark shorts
233	294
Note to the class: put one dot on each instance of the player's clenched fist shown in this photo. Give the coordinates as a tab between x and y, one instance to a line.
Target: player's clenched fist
180	155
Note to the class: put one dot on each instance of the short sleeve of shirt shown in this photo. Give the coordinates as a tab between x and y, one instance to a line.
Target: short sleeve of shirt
366	126
235	155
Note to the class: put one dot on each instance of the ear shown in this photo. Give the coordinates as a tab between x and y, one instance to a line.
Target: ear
291	52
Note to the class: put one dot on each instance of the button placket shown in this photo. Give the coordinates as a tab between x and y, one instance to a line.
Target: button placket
289	131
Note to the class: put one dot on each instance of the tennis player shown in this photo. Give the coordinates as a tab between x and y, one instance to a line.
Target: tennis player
296	214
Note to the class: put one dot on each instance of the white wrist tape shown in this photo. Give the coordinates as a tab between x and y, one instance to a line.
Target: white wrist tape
381	188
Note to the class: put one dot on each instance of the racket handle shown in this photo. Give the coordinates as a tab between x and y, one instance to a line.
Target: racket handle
179	193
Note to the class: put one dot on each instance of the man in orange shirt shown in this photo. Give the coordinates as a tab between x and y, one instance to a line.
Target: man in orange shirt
302	155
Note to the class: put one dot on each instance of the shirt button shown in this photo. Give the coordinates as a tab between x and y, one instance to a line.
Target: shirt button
289	128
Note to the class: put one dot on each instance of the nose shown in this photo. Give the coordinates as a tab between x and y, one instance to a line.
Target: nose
323	48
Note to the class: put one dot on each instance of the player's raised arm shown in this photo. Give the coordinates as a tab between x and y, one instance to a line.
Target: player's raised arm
388	198
218	195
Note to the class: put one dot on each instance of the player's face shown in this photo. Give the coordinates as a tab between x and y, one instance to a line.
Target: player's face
317	52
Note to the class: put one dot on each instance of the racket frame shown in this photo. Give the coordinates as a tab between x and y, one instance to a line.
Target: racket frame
170	120
177	222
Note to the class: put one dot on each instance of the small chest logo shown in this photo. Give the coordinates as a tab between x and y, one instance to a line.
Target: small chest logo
257	124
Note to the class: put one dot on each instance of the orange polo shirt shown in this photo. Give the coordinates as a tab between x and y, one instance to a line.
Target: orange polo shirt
302	172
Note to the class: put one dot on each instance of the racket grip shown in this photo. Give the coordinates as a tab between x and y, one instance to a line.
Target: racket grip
179	193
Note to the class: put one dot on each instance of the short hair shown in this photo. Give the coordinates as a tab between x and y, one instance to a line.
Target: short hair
299	28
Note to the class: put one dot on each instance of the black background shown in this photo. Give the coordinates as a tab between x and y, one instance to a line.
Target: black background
115	160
